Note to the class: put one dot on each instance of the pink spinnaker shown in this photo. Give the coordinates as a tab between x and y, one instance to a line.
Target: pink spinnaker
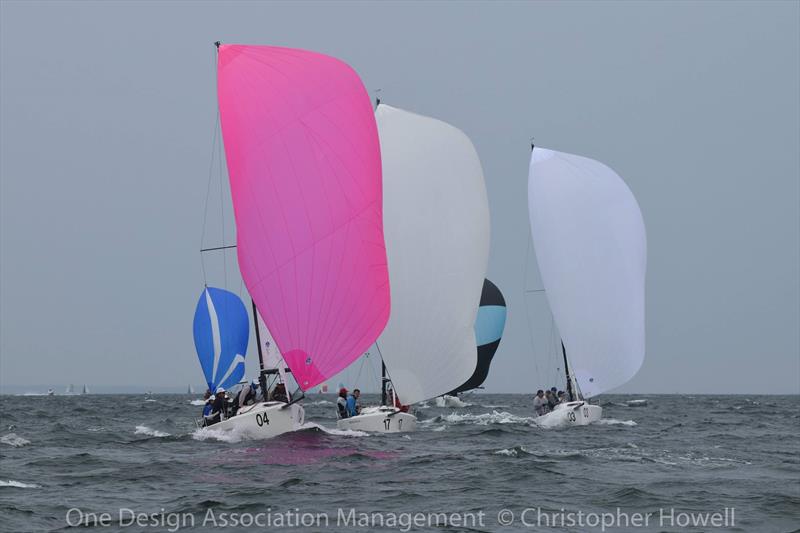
305	170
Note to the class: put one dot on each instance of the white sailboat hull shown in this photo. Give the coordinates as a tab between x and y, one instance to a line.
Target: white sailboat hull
264	420
380	420
579	413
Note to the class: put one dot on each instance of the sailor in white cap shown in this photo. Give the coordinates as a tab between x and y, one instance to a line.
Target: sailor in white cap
219	409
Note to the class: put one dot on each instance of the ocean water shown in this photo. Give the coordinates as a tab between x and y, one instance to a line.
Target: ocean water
66	460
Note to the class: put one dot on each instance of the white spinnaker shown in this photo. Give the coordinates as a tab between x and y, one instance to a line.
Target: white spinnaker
591	249
436	227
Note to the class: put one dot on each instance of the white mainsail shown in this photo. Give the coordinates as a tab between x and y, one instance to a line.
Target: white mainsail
591	249
269	351
436	227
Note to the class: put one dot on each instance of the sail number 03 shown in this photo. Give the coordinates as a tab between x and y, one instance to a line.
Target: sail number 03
571	415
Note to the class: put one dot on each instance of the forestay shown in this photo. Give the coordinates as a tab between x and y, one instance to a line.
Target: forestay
591	249
305	171
436	218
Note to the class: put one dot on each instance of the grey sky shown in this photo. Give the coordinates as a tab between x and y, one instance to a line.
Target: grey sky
107	120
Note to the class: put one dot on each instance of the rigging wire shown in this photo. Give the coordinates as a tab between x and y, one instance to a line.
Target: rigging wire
358	376
222	216
375	376
214	141
527	306
208	196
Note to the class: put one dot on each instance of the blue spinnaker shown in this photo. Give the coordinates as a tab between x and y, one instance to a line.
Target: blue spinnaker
221	332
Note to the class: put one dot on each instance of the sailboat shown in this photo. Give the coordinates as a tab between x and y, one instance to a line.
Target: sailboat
304	166
70	389
85	390
591	248
190	390
489	326
436	218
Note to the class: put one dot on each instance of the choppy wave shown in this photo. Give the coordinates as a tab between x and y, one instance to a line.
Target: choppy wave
18	484
322	402
12	439
516	451
671	457
150	432
197	402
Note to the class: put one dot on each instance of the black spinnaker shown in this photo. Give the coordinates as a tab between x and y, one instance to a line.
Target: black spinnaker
489	325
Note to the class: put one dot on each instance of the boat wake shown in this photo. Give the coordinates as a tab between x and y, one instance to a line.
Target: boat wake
484	419
334	431
150	432
12	439
232	436
554	423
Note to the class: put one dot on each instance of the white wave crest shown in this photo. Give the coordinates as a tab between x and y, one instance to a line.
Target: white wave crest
495	417
18	484
439	428
150	432
450	401
322	402
513	452
334	431
12	439
197	402
217	434
615	422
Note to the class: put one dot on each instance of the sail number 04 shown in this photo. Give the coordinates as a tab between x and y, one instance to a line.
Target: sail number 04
262	419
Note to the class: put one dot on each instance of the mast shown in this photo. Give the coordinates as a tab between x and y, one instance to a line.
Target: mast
384	379
566	369
262	376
